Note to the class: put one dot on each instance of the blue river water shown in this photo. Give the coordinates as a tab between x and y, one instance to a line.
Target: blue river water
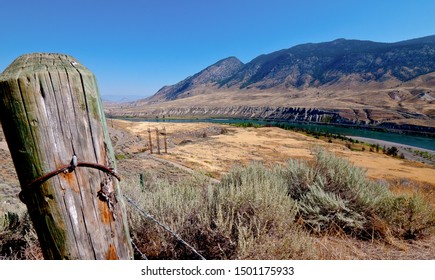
405	139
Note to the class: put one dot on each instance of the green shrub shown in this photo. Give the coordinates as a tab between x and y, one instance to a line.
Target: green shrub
408	216
249	209
331	193
120	156
392	151
253	206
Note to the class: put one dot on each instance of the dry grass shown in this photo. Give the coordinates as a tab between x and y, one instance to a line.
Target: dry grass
17	235
346	248
411	188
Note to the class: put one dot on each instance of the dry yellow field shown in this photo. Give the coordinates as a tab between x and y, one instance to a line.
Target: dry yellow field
191	145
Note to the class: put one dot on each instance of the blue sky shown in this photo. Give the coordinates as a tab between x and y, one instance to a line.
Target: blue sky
136	47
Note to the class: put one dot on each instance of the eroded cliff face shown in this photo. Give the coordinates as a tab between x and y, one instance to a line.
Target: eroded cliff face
245	112
358	117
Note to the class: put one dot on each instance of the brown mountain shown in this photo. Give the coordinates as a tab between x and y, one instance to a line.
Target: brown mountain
343	81
313	65
220	71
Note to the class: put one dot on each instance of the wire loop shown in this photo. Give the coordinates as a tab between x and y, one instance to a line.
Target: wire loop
67	169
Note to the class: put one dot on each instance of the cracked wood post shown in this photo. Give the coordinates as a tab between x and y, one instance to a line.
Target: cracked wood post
50	109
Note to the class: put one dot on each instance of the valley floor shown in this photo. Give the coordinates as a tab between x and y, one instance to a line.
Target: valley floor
215	149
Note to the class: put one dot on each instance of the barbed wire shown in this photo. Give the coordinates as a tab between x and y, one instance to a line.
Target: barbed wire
142	255
129	200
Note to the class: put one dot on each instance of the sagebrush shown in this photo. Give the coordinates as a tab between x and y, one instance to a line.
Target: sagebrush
256	212
276	209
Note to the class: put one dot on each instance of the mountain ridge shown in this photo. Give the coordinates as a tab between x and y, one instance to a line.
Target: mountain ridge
313	65
341	81
320	64
216	72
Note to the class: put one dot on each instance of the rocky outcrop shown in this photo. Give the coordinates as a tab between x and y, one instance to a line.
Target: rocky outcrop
298	114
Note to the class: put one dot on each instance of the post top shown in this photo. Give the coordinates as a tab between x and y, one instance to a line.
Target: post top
37	62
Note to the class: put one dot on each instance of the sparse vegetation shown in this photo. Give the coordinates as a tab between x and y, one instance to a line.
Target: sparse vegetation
247	124
274	213
424	154
302	209
247	211
307	131
17	236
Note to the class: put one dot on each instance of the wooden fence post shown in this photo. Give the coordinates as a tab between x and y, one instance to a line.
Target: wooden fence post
150	143
165	140
158	140
50	109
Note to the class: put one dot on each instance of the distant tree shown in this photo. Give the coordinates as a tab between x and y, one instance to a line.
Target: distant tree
392	151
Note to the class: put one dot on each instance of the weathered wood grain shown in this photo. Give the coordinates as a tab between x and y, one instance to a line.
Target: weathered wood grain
50	109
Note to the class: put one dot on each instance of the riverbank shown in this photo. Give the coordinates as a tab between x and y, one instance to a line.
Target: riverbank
409	152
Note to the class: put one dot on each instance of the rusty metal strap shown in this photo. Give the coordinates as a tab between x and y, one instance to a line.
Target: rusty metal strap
68	169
